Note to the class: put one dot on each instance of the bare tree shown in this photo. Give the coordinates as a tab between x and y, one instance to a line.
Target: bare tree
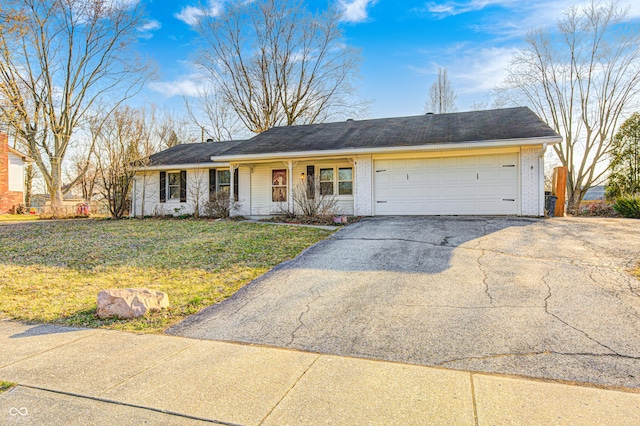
581	79
122	144
58	59
276	63
87	173
170	129
442	97
216	118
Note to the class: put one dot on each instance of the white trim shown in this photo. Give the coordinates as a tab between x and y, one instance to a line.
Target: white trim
189	166
417	148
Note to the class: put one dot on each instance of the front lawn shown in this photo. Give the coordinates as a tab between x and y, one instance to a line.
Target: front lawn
18	217
53	271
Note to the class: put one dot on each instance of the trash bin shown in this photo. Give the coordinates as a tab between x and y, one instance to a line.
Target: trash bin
550	205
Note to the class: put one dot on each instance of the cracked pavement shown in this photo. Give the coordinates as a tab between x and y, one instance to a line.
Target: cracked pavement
539	298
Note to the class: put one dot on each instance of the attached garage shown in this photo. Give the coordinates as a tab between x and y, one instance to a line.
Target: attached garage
447	185
467	163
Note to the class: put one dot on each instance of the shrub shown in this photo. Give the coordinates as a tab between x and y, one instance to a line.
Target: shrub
309	201
628	207
599	208
219	206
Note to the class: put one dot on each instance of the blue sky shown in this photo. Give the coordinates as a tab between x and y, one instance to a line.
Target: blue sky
402	43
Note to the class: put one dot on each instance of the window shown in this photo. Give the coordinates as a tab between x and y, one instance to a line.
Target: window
326	181
279	185
174	185
345	181
224	181
220	181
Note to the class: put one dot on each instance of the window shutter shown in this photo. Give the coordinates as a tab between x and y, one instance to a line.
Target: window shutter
163	187
311	179
235	184
212	184
183	186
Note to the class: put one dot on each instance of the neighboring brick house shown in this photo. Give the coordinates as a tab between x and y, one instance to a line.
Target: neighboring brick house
11	176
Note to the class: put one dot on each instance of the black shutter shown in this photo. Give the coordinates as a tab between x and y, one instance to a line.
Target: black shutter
163	187
183	186
311	190
235	184
212	184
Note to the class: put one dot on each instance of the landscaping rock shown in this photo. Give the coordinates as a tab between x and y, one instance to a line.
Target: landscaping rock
130	303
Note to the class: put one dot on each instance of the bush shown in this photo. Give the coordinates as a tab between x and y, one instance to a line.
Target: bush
599	208
219	206
628	207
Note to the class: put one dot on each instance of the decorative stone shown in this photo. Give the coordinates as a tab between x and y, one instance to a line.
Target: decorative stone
130	303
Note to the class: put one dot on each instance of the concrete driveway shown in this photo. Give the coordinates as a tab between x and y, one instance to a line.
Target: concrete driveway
540	298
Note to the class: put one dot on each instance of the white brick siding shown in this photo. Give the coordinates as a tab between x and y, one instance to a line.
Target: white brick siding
531	186
363	186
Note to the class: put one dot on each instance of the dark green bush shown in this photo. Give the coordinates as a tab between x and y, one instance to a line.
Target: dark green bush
628	207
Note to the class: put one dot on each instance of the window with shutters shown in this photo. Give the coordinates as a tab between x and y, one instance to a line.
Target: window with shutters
173	186
224	181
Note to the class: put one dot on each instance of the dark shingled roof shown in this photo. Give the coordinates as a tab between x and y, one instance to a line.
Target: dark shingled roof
473	126
191	153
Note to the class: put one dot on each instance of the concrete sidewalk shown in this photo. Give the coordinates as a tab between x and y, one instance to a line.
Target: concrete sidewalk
82	376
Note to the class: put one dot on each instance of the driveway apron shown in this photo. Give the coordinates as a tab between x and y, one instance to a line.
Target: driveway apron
540	298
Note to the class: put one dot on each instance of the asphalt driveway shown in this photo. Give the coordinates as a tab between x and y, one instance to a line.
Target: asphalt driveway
540	298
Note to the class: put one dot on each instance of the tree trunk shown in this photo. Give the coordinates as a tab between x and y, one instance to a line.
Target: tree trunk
574	197
55	189
28	185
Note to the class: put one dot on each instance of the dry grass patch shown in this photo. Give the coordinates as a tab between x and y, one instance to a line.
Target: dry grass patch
53	271
18	217
636	272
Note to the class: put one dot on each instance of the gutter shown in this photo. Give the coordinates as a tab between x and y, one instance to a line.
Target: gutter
186	166
21	155
397	149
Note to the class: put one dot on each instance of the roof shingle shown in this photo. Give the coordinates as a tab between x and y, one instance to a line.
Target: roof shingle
191	153
473	126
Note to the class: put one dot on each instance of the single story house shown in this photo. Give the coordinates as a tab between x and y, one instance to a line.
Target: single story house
12	169
468	163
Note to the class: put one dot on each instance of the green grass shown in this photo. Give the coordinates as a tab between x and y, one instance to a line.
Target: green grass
5	386
18	217
53	271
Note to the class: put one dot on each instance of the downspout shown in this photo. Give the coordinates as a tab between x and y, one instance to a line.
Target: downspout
356	204
541	180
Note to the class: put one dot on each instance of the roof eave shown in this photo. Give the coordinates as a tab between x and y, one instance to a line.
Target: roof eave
550	140
24	157
184	166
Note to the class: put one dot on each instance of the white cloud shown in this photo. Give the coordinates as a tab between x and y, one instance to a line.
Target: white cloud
456	8
474	71
151	26
146	30
355	10
188	85
191	15
517	16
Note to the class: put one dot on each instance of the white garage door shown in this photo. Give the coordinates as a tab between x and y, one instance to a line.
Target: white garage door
478	185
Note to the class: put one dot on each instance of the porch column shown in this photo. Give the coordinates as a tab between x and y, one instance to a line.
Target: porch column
289	185
232	168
